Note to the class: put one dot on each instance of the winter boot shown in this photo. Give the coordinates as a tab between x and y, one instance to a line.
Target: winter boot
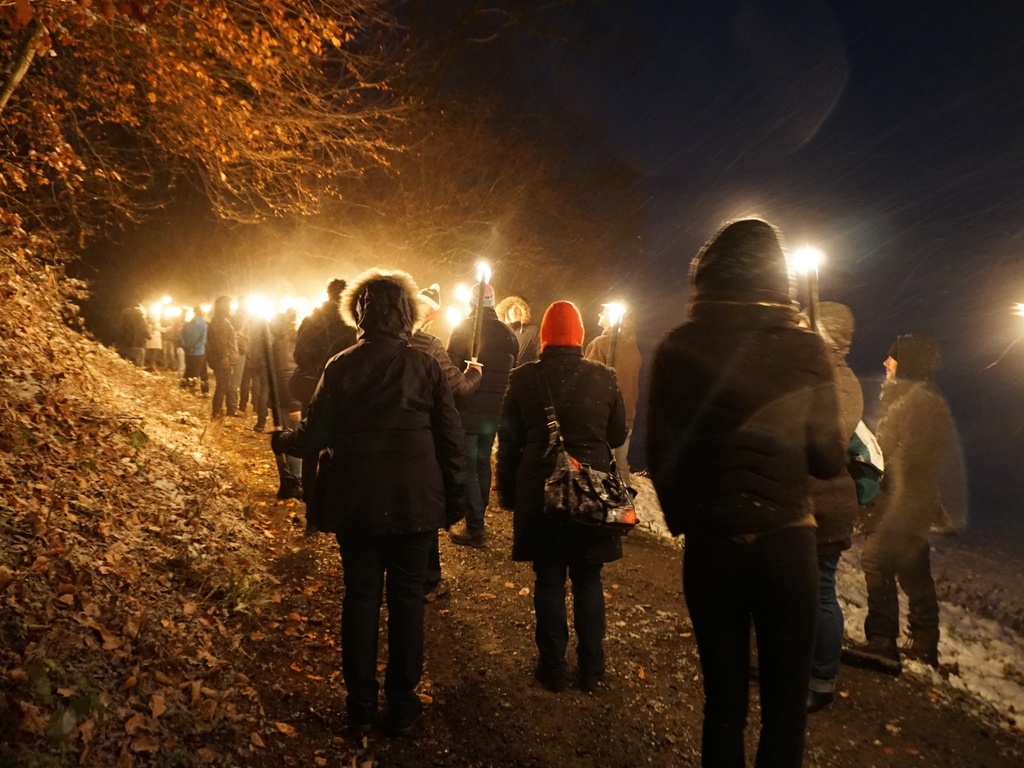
878	653
468	538
923	646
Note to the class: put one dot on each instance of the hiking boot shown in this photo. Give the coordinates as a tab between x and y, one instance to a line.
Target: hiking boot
289	491
259	427
878	653
468	538
402	723
590	681
439	590
924	649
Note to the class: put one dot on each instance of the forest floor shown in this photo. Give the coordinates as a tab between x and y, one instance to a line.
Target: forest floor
159	607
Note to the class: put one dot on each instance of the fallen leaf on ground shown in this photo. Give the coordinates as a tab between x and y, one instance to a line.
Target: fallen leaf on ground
286	729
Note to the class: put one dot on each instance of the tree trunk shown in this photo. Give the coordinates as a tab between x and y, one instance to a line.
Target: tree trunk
22	59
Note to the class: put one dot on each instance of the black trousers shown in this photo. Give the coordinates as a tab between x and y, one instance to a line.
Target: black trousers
552	631
772	582
400	562
891	556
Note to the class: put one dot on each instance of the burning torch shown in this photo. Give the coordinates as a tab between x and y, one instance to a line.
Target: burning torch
615	312
807	261
483	275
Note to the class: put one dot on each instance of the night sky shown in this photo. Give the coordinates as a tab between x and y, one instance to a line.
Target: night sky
889	135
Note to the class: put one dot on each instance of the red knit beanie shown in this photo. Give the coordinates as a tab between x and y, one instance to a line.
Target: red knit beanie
562	326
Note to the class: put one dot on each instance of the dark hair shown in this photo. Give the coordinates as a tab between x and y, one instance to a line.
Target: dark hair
335	289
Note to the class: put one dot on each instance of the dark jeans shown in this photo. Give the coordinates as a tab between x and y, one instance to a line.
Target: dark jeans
222	388
368	563
289	468
260	395
890	556
552	633
195	368
772	581
433	574
828	646
478	464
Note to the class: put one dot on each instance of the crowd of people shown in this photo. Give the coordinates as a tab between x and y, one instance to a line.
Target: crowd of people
388	435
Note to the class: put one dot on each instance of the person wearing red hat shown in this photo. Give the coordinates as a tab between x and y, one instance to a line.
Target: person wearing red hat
592	418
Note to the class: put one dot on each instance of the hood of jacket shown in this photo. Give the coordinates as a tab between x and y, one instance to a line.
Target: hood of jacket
743	262
835	321
506	304
382	301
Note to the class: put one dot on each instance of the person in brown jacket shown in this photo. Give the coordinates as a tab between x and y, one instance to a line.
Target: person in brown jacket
626	364
835	506
915	432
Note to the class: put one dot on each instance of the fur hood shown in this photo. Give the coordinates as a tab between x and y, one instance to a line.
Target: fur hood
508	302
354	289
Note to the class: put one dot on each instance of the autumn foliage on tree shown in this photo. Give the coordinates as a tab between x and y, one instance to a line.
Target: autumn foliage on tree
268	106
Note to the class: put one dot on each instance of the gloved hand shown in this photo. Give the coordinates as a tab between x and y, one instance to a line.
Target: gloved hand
278	439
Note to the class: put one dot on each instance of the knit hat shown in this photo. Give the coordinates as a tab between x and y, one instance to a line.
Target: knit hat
918	357
562	326
488	295
431	296
743	262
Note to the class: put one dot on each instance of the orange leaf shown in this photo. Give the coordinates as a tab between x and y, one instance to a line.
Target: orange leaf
135	723
157	705
286	729
257	740
641	674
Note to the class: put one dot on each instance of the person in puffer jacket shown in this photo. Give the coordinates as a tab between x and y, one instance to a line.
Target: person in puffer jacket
742	413
835	508
915	432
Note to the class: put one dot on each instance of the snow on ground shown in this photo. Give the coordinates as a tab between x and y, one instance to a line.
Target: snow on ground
979	654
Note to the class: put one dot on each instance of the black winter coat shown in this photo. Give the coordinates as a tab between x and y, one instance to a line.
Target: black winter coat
742	411
462	384
321	336
498	351
386	413
589	407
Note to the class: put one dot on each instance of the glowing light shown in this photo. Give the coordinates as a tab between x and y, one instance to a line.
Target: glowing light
463	293
156	310
259	306
615	312
165	300
234	305
190	315
807	260
172	312
1018	309
483	272
206	308
322	298
453	316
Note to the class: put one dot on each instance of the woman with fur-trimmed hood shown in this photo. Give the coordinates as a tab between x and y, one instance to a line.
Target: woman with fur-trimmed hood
385	412
514	312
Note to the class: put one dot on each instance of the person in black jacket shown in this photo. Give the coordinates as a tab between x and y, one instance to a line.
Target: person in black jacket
221	355
386	413
480	410
321	335
462	383
742	412
593	420
282	349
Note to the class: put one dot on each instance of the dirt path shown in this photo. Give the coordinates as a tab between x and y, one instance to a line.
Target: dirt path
483	707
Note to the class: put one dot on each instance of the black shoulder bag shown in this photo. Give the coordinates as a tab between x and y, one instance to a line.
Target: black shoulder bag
579	493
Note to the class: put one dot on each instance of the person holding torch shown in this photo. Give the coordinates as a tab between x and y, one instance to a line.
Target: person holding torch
617	349
481	338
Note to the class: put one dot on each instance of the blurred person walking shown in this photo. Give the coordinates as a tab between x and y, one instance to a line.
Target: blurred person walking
835	506
743	410
221	355
155	343
321	335
915	431
385	412
626	363
481	409
592	418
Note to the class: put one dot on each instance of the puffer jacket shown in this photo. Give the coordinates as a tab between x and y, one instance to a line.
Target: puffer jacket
834	501
742	411
592	418
498	351
462	384
387	415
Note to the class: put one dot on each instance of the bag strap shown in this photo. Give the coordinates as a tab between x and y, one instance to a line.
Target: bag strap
555	439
